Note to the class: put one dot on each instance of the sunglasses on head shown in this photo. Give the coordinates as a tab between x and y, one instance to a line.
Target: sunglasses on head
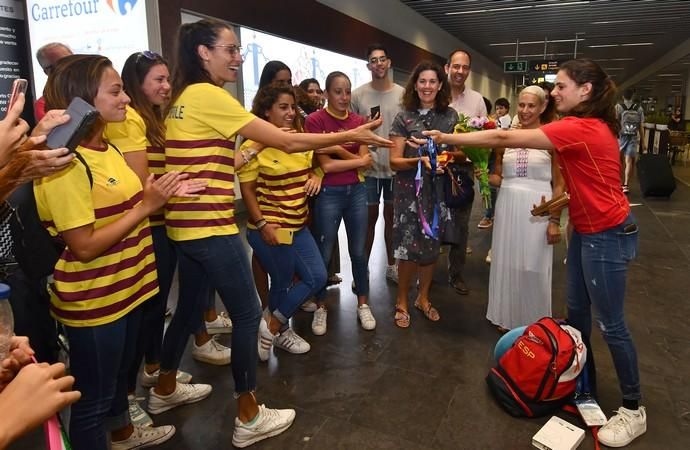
148	54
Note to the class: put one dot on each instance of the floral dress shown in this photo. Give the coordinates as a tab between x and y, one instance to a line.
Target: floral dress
410	243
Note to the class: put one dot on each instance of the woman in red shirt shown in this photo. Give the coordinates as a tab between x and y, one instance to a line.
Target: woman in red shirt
605	237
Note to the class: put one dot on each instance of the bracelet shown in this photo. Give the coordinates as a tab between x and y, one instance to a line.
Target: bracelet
555	220
260	224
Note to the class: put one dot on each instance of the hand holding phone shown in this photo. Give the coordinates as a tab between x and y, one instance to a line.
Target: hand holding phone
69	135
375	112
19	86
284	236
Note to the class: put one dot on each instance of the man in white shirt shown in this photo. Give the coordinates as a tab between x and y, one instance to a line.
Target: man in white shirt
385	96
470	103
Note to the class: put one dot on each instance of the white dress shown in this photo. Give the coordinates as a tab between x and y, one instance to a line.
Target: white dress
521	258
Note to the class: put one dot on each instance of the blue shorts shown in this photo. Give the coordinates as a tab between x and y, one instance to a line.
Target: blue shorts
374	188
628	143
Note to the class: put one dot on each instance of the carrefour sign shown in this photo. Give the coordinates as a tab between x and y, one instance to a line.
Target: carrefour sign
113	28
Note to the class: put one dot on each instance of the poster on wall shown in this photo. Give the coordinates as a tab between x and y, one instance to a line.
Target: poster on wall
113	28
303	60
13	52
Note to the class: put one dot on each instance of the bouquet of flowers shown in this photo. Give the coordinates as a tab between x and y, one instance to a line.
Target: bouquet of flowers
479	156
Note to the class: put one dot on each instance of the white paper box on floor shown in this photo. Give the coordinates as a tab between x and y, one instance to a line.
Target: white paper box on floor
557	434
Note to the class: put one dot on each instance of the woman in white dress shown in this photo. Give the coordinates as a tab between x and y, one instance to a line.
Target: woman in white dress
520	278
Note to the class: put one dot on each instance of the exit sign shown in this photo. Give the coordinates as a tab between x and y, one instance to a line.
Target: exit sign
515	66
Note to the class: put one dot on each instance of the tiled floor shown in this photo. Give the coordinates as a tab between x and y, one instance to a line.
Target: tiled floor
424	387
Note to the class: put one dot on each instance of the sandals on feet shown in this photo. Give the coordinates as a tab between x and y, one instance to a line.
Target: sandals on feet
401	318
429	312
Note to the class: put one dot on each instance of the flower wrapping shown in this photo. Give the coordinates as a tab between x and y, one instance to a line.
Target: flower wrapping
479	156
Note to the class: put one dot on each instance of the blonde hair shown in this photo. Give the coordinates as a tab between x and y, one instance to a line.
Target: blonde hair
536	91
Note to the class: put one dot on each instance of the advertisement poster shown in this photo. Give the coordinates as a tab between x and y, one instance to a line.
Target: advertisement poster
13	52
113	28
303	60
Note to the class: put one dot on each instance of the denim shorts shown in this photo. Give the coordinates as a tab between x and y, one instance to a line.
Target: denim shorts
628	144
374	188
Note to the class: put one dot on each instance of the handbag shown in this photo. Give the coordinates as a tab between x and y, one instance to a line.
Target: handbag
458	187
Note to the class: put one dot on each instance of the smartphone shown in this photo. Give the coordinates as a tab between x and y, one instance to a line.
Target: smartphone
19	86
375	112
284	236
70	134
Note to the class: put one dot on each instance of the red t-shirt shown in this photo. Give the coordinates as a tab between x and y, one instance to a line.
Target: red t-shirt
589	160
322	122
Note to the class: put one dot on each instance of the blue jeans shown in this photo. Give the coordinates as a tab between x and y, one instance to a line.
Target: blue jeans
348	203
153	320
377	186
283	262
597	269
220	263
100	358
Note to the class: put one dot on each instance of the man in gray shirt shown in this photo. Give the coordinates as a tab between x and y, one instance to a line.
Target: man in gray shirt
470	103
384	95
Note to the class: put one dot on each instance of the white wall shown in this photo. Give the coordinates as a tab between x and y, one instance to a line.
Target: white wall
408	25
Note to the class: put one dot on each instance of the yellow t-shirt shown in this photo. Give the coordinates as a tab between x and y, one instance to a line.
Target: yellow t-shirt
105	289
280	179
201	128
130	136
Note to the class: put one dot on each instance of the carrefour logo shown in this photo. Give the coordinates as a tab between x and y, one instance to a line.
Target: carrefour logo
69	8
124	6
40	11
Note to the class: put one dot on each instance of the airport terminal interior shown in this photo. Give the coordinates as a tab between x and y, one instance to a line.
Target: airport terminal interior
424	387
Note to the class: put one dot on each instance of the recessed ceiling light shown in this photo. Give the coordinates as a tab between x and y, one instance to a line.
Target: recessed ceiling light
636	44
633	44
602	45
668	75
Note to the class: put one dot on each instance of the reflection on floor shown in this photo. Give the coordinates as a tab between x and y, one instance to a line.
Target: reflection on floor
424	387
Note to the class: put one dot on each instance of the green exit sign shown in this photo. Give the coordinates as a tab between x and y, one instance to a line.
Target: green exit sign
515	66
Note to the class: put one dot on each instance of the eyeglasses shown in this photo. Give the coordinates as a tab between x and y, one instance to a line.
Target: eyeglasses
232	48
380	59
148	54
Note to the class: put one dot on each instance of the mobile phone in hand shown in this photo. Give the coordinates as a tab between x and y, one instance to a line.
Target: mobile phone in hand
19	86
284	236
70	134
375	112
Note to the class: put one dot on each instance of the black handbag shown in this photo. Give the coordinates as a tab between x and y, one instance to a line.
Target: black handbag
458	187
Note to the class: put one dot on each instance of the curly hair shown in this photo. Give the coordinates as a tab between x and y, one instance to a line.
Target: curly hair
602	101
267	96
411	100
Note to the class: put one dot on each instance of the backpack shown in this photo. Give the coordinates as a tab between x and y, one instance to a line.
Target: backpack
35	250
630	119
538	374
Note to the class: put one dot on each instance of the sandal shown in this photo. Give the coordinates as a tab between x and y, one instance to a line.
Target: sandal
333	279
430	312
401	318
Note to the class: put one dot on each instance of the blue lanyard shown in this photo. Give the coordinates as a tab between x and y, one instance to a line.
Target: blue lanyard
427	150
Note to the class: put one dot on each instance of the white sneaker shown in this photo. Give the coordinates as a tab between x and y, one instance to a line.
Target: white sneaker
268	423
184	394
265	340
221	325
291	342
150	380
143	437
392	273
309	306
488	257
212	352
366	318
624	427
137	415
318	323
